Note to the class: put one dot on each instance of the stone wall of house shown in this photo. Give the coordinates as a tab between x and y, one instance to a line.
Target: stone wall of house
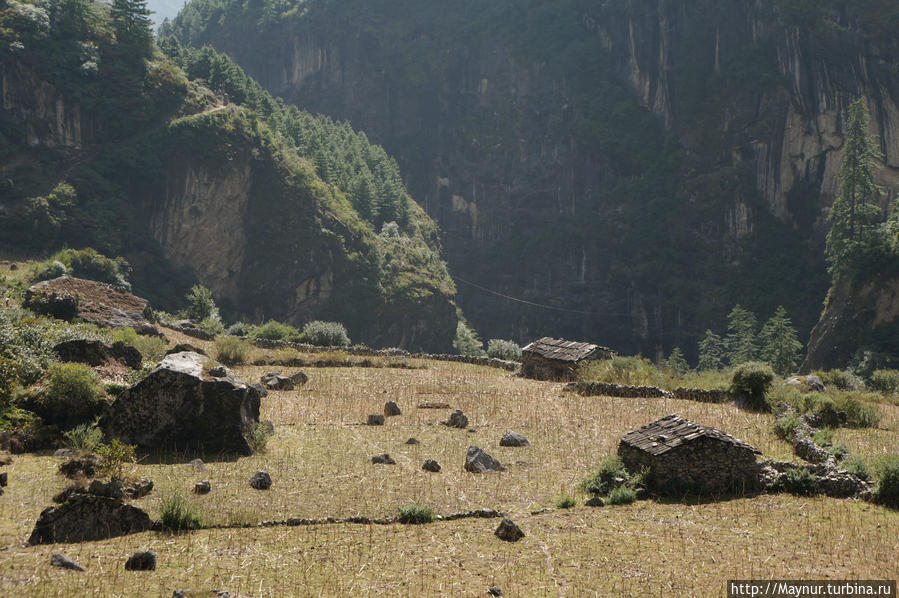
540	368
618	390
705	465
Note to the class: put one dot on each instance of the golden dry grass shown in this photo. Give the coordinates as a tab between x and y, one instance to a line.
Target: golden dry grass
319	460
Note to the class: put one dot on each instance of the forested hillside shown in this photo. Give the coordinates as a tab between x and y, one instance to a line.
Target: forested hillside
192	172
634	169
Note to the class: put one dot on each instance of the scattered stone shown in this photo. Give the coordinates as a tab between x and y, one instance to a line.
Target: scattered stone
299	378
472	431
391	409
805	384
63	452
383	459
64	562
203	487
596	501
275	381
457	419
4	479
5	458
261	480
199	465
495	591
431	465
137	488
190	329
174	406
219	371
110	489
375	419
141	561
263	392
182	347
433	406
85	517
508	531
95	353
412	440
815	383
85	465
477	461
70	489
511	438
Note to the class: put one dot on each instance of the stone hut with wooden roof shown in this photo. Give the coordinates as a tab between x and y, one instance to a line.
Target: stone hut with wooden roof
557	359
683	456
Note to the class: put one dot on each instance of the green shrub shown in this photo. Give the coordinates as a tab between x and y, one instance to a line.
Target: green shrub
72	394
800	481
326	334
565	502
610	474
200	305
114	456
633	370
622	495
500	349
885	381
857	466
274	330
84	437
751	381
231	350
152	348
258	435
88	263
179	514
887	470
239	329
467	341
9	382
416	514
49	270
840	451
840	379
823	437
859	412
785	426
213	326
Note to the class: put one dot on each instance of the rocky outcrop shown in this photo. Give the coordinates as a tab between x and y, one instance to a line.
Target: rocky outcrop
85	517
866	315
94	302
94	353
177	406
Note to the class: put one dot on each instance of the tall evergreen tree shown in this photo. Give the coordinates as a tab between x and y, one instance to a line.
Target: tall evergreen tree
779	346
712	351
741	333
131	19
854	214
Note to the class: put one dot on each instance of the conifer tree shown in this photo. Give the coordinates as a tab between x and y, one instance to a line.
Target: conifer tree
854	213
741	333
712	351
131	19
779	346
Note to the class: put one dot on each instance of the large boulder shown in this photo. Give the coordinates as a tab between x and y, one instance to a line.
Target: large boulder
477	461
85	517
177	406
94	353
101	304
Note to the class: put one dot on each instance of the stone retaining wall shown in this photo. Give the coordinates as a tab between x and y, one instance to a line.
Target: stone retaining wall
617	390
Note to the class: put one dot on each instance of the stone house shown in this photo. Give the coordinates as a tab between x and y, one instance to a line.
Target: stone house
557	359
683	456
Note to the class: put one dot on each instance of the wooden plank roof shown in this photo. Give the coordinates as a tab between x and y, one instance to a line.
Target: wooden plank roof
672	431
559	349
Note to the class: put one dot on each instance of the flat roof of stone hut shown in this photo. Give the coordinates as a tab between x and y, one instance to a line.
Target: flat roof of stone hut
672	431
559	349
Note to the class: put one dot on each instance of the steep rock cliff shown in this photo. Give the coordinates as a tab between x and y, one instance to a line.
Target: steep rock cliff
634	168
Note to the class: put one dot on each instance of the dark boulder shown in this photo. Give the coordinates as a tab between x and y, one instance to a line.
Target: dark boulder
182	347
391	409
87	465
508	531
412	440
95	302
375	419
431	465
64	562
85	517
94	353
383	459
477	461
457	419
177	408
511	438
261	480
141	561
275	381
203	487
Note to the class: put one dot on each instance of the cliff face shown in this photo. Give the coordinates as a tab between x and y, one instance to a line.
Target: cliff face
636	171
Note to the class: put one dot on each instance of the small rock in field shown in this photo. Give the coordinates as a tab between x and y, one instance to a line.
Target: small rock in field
63	452
391	409
138	488
141	561
198	465
596	501
375	419
4	479
511	438
64	562
203	487
384	459
431	465
6	458
263	392
218	371
299	378
495	591
508	531
412	440
457	419
471	430
110	489
477	461
261	480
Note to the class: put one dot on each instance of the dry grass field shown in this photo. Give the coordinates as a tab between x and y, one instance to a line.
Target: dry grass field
320	463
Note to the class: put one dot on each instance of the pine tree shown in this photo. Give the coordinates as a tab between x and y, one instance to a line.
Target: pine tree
677	363
712	351
740	340
854	213
779	346
131	19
